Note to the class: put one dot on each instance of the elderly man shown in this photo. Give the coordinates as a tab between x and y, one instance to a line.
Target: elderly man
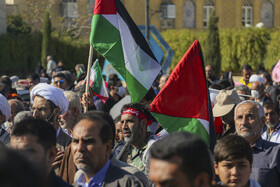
135	119
258	89
36	140
271	112
51	65
91	148
16	107
249	122
246	73
5	113
224	108
48	103
182	160
70	118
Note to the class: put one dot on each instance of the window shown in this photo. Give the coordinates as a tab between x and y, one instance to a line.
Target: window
70	14
207	9
267	14
247	13
164	21
189	14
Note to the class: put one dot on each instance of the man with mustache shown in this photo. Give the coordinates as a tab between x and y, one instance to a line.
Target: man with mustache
135	119
249	121
91	147
271	112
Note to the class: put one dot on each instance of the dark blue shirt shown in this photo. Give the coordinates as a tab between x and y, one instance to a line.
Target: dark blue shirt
266	163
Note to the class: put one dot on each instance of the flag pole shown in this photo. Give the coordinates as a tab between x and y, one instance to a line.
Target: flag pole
88	75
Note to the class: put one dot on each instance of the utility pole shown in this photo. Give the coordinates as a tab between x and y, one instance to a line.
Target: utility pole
147	22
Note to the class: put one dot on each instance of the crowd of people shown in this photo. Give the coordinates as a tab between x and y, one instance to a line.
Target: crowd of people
47	138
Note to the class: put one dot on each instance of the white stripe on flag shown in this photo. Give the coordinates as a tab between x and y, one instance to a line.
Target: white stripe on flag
143	67
112	18
205	124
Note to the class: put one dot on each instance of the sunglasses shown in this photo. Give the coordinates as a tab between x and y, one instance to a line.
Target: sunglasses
60	81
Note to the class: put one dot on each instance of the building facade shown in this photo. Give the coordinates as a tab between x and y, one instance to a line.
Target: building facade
75	15
194	14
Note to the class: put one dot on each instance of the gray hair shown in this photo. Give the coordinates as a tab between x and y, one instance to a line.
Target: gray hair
73	99
23	115
242	88
256	104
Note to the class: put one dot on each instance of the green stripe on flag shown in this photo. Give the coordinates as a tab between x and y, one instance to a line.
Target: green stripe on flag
138	90
98	80
106	39
176	124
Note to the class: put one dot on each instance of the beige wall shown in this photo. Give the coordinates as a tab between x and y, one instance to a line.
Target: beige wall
229	12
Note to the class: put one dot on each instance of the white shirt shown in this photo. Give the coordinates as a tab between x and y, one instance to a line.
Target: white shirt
275	136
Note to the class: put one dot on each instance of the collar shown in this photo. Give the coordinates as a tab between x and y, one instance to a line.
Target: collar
258	144
97	179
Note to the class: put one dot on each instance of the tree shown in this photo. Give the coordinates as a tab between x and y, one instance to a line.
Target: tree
212	45
16	25
46	38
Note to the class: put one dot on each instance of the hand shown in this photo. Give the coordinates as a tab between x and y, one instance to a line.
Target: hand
58	159
88	97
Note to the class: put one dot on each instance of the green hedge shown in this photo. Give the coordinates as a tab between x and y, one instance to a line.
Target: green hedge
20	53
238	46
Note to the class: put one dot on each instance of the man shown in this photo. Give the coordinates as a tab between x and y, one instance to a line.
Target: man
182	160
249	121
135	119
36	139
5	113
246	73
258	89
91	148
70	118
116	93
224	108
33	79
118	127
4	90
243	92
51	65
59	80
269	88
271	112
209	74
16	107
48	103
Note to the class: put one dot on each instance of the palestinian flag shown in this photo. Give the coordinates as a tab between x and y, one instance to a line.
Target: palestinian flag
97	83
118	39
184	104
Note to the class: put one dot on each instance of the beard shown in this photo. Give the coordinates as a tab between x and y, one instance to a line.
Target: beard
271	125
249	132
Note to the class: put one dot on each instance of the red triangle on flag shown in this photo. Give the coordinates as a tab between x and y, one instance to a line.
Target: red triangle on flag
105	7
185	92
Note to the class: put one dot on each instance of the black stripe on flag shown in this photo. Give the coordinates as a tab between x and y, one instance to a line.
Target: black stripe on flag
135	32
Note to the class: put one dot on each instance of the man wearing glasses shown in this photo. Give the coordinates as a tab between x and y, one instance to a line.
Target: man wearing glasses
48	103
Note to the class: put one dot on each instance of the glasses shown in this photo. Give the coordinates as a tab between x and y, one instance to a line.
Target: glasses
60	81
40	109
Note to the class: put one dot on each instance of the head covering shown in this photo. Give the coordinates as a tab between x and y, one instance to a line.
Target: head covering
256	78
51	93
5	107
226	100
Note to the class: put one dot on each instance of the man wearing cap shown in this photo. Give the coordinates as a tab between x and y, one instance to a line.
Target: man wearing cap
5	113
135	119
258	89
48	103
224	108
